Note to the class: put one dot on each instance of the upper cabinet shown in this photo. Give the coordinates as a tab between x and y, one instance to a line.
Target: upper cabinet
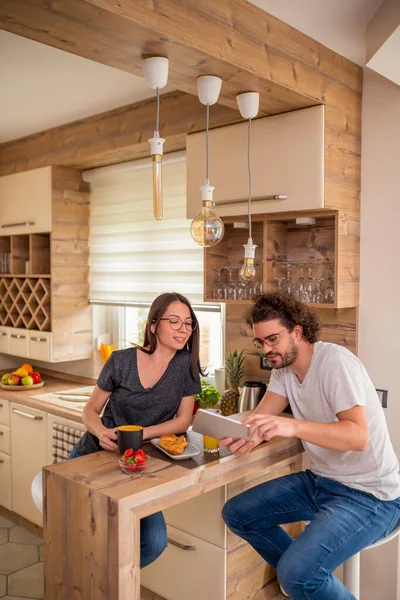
44	277
25	202
287	158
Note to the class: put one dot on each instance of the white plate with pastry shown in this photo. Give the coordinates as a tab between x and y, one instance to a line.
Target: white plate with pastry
188	452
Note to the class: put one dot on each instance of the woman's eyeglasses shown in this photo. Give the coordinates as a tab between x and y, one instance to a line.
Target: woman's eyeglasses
271	340
176	323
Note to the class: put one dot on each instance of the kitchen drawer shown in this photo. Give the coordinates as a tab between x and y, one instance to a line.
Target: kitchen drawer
5	439
4	412
201	517
197	572
19	342
5	481
4	340
40	345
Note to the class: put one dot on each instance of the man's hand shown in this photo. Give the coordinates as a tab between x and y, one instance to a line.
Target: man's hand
241	447
266	427
106	438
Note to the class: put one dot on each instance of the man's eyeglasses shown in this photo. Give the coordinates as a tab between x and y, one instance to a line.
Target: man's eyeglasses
271	340
176	323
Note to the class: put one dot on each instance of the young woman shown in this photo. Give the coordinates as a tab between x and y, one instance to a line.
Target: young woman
152	386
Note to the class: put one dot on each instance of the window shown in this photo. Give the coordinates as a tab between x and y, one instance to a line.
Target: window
132	322
134	258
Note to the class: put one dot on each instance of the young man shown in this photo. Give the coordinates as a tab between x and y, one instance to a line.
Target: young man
351	493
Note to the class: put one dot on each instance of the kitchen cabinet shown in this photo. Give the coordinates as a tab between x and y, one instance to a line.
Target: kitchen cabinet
28	457
4	340
44	277
287	158
180	571
5	459
25	201
324	252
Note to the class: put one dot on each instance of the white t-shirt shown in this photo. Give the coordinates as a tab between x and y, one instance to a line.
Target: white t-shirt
336	380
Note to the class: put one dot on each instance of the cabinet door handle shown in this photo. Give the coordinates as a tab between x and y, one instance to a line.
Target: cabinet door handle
36	339
18	337
24	414
1	405
181	546
3	333
1	432
24	223
1	461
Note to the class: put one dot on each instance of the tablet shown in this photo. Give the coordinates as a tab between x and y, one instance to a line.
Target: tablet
219	427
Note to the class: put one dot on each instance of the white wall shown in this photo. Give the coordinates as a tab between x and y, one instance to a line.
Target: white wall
379	318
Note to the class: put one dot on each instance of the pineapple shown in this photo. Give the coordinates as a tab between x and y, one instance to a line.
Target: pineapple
234	373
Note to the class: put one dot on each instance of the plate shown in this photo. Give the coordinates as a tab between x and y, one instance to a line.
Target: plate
189	451
21	388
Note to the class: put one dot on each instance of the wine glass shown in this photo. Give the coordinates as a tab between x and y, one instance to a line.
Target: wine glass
279	281
300	286
229	286
329	293
218	286
308	293
288	286
318	296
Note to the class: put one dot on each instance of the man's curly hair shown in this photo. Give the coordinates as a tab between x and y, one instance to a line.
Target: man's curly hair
288	310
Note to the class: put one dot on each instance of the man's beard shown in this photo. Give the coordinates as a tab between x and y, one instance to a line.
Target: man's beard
284	360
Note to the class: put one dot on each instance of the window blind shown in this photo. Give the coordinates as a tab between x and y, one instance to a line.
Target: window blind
133	256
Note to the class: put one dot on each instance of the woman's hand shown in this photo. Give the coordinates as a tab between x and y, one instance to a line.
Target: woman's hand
106	438
267	427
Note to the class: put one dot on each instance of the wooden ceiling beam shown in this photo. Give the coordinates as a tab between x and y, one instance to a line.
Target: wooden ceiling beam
114	136
245	46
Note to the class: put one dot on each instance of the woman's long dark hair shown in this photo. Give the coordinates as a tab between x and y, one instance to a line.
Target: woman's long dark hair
157	310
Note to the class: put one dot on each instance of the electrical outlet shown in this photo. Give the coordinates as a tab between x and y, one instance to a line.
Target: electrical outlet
383	396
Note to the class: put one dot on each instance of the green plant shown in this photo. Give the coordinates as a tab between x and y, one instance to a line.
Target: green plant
208	397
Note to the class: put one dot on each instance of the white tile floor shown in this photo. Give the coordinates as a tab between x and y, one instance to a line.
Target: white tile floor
21	563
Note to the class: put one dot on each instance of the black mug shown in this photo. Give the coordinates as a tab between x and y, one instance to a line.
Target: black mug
129	436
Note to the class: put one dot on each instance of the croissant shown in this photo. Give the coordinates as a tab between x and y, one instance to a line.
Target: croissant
172	444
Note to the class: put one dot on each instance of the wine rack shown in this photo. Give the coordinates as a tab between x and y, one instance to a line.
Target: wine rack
25	302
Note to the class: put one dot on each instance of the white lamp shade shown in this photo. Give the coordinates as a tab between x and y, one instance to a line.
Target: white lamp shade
248	104
208	88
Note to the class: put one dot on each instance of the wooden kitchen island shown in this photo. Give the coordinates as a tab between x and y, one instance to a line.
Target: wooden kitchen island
92	514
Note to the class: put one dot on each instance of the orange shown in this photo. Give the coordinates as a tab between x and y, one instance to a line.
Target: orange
27	368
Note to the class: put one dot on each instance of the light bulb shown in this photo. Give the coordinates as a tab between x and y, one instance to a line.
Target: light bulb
248	270
156	144
207	229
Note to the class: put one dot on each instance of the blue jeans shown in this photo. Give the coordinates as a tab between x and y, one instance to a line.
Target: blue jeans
153	533
343	521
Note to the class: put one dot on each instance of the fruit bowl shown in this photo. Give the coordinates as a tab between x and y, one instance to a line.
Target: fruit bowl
133	462
21	388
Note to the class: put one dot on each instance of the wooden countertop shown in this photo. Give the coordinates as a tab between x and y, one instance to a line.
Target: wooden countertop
94	552
53	383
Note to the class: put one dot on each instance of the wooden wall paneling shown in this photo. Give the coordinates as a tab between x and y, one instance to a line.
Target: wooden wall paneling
71	312
114	136
339	326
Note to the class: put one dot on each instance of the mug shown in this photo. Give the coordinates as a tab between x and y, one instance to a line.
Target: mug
129	436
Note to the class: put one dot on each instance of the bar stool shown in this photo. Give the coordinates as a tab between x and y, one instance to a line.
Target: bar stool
37	491
351	568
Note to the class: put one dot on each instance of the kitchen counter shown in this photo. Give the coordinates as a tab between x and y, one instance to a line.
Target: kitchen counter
92	512
53	384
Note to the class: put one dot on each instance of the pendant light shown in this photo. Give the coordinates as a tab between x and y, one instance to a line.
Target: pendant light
207	229
248	105
155	71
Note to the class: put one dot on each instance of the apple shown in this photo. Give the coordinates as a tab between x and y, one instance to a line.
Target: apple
35	376
27	380
4	378
14	379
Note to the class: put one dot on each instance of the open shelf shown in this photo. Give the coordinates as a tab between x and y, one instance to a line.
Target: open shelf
280	241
